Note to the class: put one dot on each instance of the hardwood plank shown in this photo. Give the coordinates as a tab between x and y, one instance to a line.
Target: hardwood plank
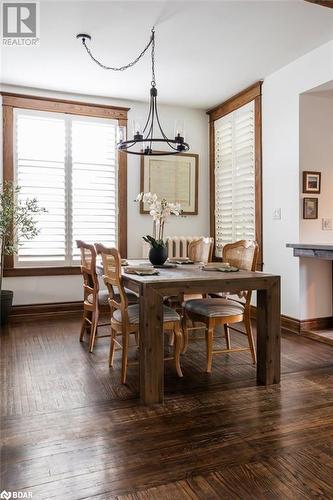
322	3
71	430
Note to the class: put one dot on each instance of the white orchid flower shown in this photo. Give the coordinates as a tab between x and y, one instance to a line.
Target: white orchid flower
160	210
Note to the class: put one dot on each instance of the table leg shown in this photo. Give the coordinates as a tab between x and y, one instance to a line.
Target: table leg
151	346
269	334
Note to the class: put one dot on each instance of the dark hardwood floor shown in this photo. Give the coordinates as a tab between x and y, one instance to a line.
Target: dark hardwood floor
71	431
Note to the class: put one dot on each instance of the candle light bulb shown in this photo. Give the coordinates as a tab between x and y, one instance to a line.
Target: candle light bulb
137	131
180	131
121	133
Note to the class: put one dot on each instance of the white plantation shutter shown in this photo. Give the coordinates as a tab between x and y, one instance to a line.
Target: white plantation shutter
69	164
40	171
94	182
235	177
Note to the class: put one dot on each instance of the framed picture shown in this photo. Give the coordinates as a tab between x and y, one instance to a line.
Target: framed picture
310	208
174	178
311	182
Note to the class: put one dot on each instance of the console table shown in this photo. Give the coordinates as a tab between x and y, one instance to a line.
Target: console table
324	252
310	250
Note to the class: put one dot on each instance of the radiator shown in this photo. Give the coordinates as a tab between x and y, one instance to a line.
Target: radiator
177	246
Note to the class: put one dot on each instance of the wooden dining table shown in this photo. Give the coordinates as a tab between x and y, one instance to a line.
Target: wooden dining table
191	279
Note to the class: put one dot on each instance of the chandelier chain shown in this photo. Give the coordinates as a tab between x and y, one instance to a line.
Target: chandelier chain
153	79
132	63
145	138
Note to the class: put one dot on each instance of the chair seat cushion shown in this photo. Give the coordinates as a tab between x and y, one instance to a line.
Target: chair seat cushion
169	314
103	296
213	308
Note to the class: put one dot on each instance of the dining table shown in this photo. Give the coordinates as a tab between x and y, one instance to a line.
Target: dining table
194	279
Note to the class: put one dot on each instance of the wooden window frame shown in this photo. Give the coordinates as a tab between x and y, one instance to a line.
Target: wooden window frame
11	101
252	93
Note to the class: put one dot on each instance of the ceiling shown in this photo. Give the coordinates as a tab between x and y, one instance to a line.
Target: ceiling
206	51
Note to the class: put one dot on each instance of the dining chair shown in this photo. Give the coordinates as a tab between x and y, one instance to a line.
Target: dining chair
93	297
199	250
225	311
125	318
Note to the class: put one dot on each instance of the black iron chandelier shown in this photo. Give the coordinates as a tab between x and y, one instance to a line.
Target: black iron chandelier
145	142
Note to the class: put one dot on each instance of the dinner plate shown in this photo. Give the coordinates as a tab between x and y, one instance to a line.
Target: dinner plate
167	265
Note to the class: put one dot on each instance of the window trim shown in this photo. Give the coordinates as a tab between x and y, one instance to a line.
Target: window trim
252	93
11	101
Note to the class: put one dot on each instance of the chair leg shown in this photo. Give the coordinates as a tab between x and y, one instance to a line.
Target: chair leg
93	331
227	336
125	338
137	341
248	328
171	338
112	346
185	333
83	325
178	341
209	347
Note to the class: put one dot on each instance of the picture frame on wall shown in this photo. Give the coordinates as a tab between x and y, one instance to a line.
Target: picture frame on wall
174	178
311	182
310	208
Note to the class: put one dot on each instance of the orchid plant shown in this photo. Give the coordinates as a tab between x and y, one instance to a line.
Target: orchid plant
160	210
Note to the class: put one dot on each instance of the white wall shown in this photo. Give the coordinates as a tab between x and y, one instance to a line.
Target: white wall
316	153
281	164
29	290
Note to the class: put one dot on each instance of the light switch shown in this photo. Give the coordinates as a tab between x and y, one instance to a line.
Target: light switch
326	224
277	214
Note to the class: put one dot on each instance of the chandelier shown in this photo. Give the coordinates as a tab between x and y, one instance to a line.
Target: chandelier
145	142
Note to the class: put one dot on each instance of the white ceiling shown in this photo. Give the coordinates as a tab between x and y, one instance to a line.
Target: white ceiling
206	50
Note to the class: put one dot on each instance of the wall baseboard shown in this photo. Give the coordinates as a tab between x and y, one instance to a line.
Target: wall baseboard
317	324
301	327
33	312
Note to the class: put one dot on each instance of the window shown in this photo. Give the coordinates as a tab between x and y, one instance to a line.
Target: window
70	163
235	177
235	167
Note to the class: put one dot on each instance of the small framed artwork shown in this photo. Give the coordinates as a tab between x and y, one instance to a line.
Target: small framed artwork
174	178
311	182
310	208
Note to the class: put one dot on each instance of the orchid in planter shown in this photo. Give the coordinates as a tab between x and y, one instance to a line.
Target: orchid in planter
160	210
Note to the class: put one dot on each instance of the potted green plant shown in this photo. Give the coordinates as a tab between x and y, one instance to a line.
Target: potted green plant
17	223
160	210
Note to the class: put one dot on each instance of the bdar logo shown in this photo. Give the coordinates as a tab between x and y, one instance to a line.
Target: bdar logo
5	494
